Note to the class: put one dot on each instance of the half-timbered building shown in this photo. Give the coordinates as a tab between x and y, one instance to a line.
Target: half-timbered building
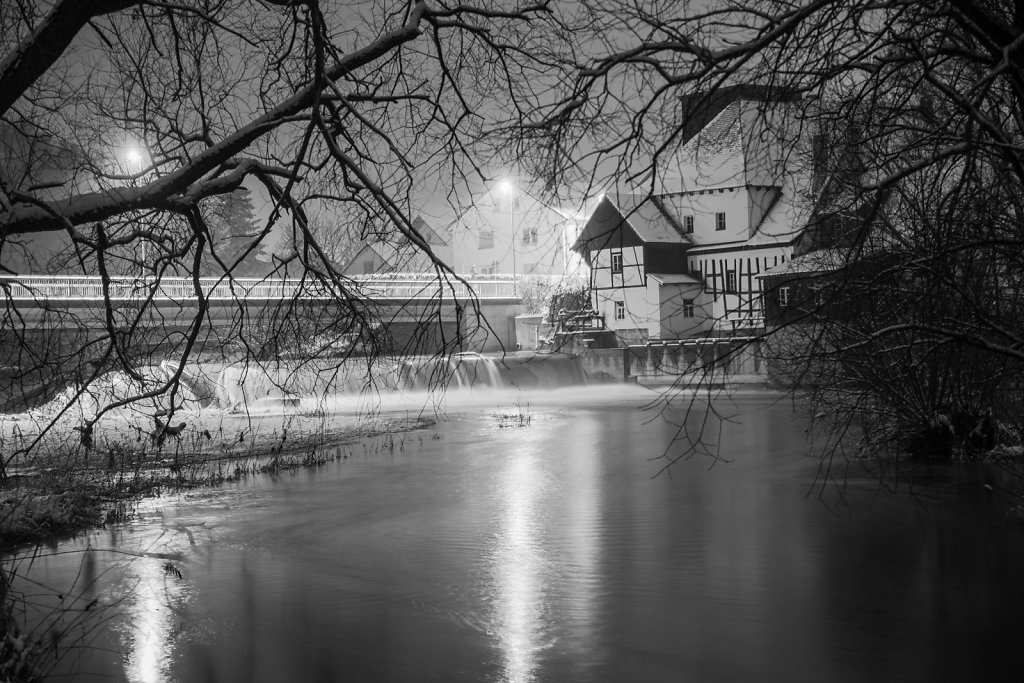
688	260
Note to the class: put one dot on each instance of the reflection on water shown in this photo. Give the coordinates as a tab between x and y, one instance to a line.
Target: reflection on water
520	567
148	637
549	552
580	524
146	581
544	565
112	591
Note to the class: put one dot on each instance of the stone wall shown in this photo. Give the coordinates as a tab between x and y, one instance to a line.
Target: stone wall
607	365
728	359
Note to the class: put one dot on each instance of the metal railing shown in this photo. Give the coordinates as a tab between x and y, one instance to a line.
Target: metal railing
403	286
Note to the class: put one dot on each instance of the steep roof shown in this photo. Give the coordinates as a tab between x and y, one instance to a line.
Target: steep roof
649	219
746	142
699	109
823	260
782	222
642	215
429	235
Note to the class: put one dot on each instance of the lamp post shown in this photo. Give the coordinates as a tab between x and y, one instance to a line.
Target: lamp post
508	187
135	161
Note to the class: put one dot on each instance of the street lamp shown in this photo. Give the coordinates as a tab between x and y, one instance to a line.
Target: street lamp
506	186
134	158
135	161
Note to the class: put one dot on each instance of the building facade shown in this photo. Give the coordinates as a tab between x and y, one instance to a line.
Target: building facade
688	261
508	231
503	232
398	254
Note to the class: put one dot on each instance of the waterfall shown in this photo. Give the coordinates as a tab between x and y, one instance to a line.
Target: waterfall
237	384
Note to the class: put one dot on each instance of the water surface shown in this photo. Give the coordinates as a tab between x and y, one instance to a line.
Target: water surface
494	548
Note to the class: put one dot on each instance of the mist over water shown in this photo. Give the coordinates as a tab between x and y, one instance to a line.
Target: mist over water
526	538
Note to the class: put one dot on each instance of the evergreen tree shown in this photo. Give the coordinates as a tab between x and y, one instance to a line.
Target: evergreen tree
232	220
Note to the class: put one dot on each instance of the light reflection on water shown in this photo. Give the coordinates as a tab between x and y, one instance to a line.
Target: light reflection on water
544	564
148	636
121	600
520	567
153	596
548	552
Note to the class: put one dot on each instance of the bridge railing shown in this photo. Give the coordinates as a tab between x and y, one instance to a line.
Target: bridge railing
391	286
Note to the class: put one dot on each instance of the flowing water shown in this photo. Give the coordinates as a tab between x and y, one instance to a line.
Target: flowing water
526	538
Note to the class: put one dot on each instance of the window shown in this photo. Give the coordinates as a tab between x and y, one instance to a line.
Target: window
783	297
719	221
486	239
529	235
616	261
620	310
730	281
688	225
687	308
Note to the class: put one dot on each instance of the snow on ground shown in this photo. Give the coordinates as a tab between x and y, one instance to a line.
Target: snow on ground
57	427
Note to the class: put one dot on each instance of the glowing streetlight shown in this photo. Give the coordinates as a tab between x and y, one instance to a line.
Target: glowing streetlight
507	187
135	161
134	158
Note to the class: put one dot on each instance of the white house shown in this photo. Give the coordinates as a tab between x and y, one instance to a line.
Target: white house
508	231
685	262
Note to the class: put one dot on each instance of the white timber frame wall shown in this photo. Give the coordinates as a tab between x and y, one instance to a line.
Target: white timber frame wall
737	198
732	286
628	287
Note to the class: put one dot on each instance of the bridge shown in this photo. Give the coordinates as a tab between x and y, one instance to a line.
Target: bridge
41	289
397	300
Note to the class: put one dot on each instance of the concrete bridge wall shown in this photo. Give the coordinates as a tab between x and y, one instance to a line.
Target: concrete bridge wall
414	327
44	348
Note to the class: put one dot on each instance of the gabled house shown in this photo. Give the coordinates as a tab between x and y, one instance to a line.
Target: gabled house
696	249
639	277
506	230
398	254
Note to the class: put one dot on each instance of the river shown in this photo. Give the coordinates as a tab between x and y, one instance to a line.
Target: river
533	542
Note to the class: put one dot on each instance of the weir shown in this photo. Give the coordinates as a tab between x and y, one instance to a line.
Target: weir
239	384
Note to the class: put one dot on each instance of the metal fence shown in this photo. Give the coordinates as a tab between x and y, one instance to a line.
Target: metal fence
404	286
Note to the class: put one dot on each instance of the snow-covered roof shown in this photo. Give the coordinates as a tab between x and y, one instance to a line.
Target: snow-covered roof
648	219
642	214
820	261
674	279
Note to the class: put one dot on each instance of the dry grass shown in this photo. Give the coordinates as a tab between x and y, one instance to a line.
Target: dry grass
63	488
